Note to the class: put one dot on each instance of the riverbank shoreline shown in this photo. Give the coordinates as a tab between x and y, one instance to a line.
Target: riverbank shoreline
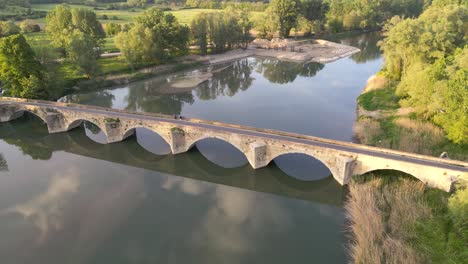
323	51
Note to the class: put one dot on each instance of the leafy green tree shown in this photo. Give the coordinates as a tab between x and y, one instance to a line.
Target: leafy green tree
314	10
266	25
427	58
27	26
199	27
20	74
224	30
113	29
8	28
62	23
453	111
156	37
82	53
287	12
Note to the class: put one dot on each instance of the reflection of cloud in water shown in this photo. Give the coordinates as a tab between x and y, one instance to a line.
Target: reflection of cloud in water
185	185
232	224
46	210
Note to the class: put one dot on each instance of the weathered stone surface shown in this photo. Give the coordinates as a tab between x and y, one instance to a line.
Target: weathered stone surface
259	146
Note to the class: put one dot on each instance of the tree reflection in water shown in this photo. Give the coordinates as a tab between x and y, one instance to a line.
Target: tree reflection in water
368	44
228	81
143	97
101	98
3	163
282	72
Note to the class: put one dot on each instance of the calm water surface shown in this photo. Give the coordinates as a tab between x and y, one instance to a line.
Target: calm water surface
66	198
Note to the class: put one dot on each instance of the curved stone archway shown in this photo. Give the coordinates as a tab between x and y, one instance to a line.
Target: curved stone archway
323	160
71	124
130	131
311	165
399	170
193	141
39	115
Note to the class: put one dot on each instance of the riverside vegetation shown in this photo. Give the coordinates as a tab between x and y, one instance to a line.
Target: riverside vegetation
417	103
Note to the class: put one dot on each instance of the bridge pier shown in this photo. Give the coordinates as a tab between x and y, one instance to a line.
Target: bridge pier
257	155
115	132
178	142
343	169
56	123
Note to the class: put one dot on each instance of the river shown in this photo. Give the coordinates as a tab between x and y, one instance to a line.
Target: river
67	198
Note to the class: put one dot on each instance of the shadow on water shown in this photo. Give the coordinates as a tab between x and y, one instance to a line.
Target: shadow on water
221	153
31	136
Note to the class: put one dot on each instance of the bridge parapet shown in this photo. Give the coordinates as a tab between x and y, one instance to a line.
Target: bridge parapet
260	146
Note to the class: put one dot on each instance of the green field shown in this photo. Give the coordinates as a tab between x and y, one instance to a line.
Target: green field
184	16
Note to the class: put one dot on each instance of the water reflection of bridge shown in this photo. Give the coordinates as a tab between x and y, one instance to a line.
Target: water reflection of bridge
260	146
193	165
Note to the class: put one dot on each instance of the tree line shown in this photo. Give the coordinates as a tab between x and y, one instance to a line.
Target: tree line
426	59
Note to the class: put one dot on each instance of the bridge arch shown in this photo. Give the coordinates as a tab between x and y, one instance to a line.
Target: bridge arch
388	169
77	122
131	131
323	161
192	142
159	134
21	111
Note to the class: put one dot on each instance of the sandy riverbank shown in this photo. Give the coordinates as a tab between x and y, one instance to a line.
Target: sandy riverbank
318	50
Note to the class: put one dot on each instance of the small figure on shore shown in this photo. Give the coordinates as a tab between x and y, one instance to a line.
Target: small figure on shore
444	155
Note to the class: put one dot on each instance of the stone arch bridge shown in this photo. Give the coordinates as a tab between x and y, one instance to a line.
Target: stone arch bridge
260	146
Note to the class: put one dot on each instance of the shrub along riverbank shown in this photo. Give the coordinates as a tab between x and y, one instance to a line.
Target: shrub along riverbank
396	219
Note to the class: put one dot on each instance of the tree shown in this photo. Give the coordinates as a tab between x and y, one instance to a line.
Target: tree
287	12
314	10
8	28
64	21
113	29
266	25
80	35
20	74
81	51
155	38
427	59
199	28
224	30
27	26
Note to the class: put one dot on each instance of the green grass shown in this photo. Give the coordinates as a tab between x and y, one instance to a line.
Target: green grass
113	65
184	16
109	45
382	99
37	38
